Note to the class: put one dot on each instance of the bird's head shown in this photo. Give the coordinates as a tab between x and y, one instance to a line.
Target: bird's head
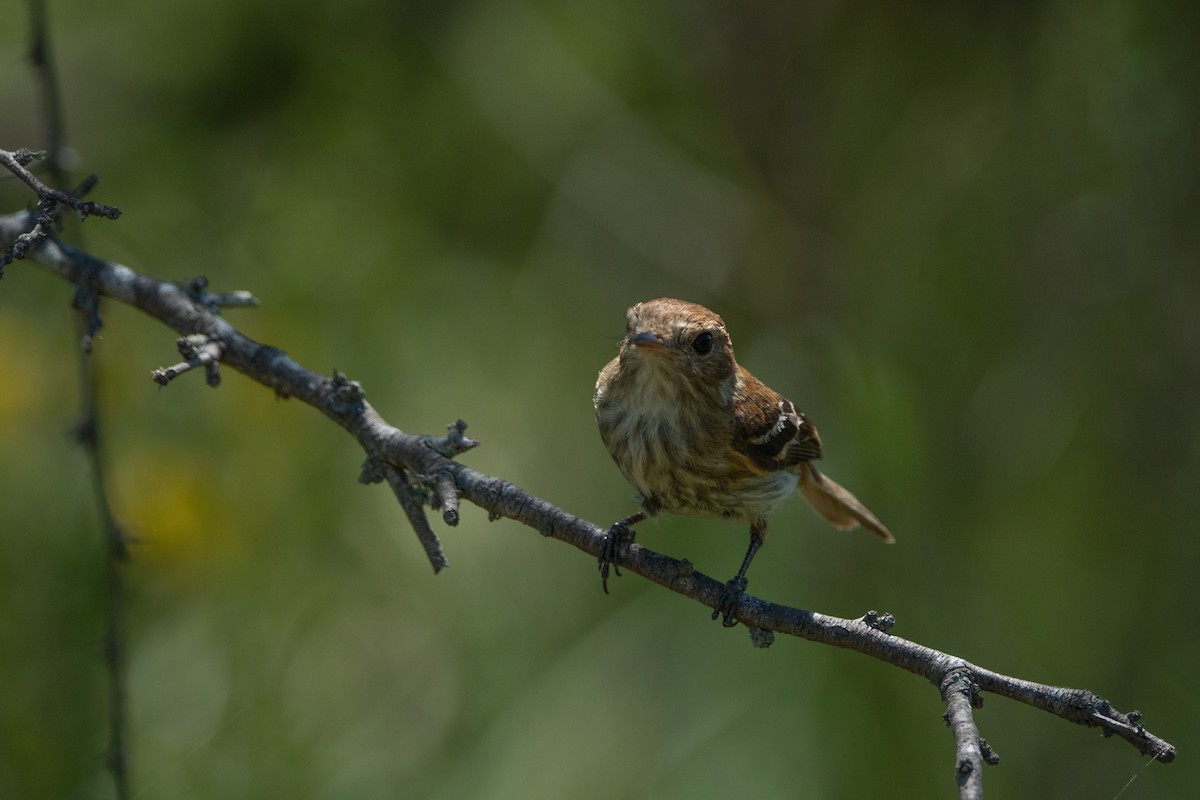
680	340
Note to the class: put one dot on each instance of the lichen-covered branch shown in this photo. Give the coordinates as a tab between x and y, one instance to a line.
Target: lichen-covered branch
422	470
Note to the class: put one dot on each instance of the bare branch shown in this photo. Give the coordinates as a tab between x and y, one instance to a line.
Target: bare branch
421	468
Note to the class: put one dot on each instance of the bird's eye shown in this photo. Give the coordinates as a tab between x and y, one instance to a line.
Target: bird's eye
703	343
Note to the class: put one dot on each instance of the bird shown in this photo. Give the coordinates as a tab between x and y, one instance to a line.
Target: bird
696	434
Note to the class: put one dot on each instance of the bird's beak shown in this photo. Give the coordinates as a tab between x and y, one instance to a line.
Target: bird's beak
650	341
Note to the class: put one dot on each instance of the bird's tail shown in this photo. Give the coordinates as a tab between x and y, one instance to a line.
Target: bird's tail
837	505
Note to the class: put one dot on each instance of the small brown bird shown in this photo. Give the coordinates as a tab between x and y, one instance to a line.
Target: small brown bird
698	435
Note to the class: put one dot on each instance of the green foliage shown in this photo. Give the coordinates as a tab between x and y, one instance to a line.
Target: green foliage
961	237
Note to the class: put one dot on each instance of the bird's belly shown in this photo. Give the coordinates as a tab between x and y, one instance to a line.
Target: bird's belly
700	492
743	497
687	469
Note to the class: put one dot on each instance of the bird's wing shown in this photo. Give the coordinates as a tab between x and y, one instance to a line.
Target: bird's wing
771	434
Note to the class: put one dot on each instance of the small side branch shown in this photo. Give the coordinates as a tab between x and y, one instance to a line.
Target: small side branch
197	289
446	494
49	200
961	695
199	351
445	490
412	499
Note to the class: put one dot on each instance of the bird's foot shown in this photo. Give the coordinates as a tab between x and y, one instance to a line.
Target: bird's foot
618	536
727	602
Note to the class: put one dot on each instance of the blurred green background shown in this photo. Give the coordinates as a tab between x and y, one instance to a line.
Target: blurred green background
963	237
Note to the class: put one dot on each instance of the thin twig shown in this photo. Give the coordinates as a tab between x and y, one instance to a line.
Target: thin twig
198	351
49	199
12	161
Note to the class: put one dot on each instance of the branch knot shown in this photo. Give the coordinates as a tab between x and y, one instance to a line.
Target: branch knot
454	443
960	679
881	622
347	392
197	290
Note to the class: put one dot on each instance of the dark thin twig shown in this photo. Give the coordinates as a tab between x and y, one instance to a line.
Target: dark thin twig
116	554
86	301
41	57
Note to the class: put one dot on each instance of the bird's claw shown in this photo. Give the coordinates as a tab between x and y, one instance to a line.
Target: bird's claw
727	602
610	550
